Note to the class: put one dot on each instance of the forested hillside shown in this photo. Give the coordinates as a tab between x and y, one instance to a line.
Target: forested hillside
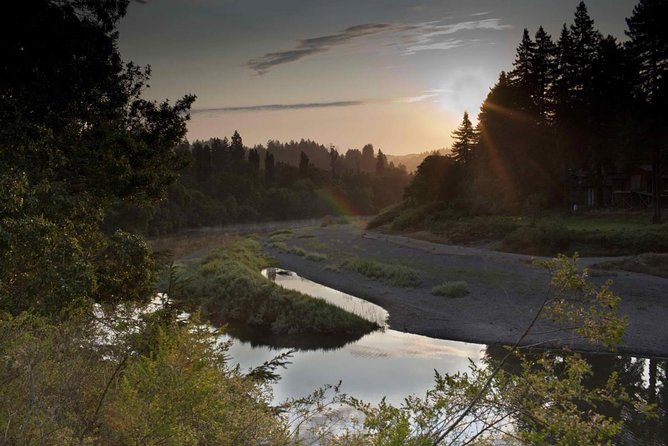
226	182
579	120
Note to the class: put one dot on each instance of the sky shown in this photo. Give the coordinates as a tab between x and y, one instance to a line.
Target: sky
398	74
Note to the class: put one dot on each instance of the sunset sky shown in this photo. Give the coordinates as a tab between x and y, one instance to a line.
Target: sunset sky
396	73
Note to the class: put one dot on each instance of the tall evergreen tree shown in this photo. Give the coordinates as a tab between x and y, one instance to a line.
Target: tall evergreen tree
465	139
254	160
648	47
303	165
237	148
333	160
269	168
543	65
381	162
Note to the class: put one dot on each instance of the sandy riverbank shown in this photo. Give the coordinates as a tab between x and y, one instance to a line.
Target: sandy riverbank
505	289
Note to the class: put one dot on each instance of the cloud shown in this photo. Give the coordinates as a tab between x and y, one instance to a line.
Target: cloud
435	36
277	107
411	38
427	94
307	47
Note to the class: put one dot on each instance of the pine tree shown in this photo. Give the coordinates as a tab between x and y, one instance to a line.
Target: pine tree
254	160
237	148
333	159
648	47
269	168
381	162
543	65
303	165
522	74
465	139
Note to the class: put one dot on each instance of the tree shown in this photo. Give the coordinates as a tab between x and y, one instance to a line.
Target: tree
254	160
237	148
269	168
381	163
76	139
303	165
368	160
333	160
648	47
464	142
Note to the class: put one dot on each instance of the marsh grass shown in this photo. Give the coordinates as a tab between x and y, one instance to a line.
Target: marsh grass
590	234
227	286
316	256
396	275
451	289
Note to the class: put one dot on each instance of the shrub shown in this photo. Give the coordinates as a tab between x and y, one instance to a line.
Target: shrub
451	289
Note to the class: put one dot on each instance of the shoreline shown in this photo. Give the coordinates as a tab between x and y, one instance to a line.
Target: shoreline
504	287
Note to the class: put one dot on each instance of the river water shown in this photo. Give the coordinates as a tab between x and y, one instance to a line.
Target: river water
392	364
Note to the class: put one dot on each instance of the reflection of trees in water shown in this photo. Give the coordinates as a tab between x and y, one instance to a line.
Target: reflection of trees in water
650	387
300	342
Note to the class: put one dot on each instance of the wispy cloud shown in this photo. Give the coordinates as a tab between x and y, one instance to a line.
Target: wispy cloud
436	36
410	38
307	47
427	94
277	107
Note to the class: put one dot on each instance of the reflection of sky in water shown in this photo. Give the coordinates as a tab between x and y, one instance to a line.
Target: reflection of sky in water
384	363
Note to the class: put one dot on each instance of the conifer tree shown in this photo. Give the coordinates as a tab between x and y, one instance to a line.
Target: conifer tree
465	139
648	47
237	148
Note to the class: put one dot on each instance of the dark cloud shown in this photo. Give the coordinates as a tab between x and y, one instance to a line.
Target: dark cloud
307	47
277	107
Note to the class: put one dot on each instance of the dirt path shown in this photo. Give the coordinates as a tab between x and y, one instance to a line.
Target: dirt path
505	289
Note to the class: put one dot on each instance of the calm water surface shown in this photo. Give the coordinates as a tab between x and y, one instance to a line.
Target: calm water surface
388	363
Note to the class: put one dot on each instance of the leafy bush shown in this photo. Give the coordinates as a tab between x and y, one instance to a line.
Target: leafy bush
451	289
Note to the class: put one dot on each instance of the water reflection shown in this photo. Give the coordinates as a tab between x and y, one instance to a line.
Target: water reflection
392	364
642	379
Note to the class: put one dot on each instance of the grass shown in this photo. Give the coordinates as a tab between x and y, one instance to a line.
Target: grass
316	256
228	287
451	289
652	264
177	246
297	251
590	234
395	275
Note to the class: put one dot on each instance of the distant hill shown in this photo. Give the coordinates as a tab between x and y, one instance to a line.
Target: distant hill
412	160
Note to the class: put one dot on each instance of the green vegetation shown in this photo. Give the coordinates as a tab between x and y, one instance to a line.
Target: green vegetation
316	256
451	289
543	143
653	264
158	383
395	275
591	234
78	143
228	286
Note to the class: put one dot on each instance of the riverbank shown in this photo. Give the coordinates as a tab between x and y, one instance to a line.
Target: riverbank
504	290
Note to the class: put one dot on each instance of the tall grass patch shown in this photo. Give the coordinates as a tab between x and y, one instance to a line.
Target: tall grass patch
227	285
451	289
396	275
